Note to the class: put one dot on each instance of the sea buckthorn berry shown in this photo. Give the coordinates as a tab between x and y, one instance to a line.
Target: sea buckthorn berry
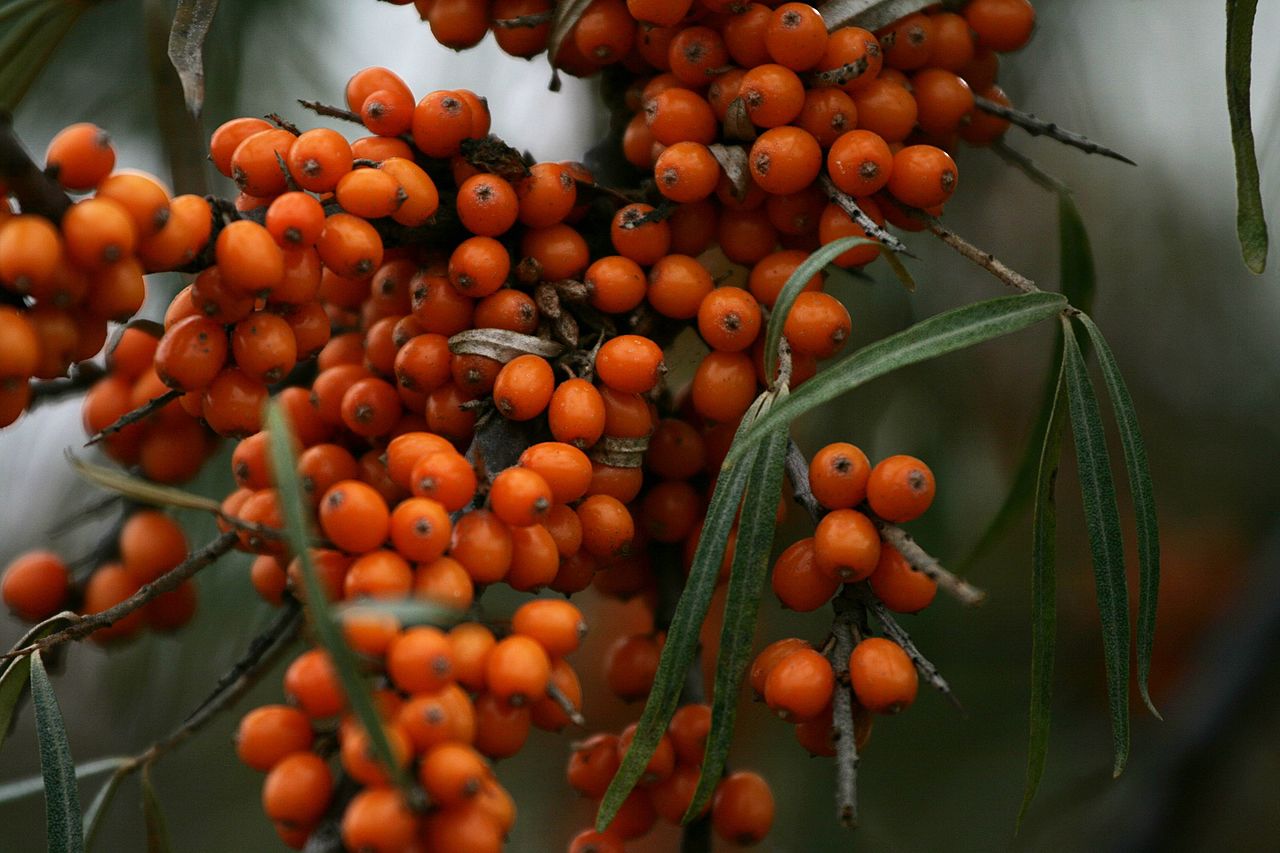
518	670
982	127
835	223
942	99
524	42
818	325
724	386
846	546
838	475
420	529
297	790
471	643
520	497
378	820
191	353
444	581
882	676
142	197
796	36
371	407
151	543
249	260
420	660
354	516
312	681
264	347
80	156
744	36
369	193
566	531
227	138
676	450
607	526
523	387
799	686
556	625
378	574
770	274
366	81
887	109
387	112
565	469
255	163
661	763
860	163
646	243
772	94
638	144
630	665
434	718
696	55
679	115
742	809
954	43
855	57
576	413
547	713
269	579
590	841
784	160
271	733
923	176
507	309
482	543
900	488
604	32
898	585
1003	25
445	476
630	363
615	284
421	198
452	773
827	113
35	585
677	286
559	250
107	587
635	817
746	235
547	195
458	24
30	251
592	765
440	308
670	510
693	228
487	205
98	232
797	581
349	246
625	415
908	42
686	172
479	266
688	730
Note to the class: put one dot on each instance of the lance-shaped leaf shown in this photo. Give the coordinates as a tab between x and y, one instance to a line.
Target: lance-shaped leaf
1102	519
153	816
14	676
191	24
61	796
1251	223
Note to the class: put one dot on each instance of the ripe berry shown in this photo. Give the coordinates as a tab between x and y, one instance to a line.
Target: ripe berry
742	809
35	585
882	676
900	488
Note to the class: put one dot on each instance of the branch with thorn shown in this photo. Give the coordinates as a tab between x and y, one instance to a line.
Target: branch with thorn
141	413
1040	127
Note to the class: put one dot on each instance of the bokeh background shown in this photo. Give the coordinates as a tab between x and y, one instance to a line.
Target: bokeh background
1195	333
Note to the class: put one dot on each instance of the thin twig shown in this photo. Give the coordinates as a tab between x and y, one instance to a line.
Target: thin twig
566	704
1040	127
81	377
143	412
798	473
849	205
898	634
842	76
167	582
331	112
842	713
283	123
658	214
535	20
981	257
928	565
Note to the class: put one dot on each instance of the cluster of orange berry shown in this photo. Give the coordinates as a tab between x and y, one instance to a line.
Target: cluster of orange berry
454	701
741	809
63	279
38	584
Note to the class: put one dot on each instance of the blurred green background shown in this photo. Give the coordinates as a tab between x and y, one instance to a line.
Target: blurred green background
1194	332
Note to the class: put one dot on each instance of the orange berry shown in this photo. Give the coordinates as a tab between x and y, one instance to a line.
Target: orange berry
799	686
523	388
271	733
882	676
743	808
846	546
556	625
518	670
923	176
900	488
35	585
297	790
798	582
482	544
317	159
630	363
378	820
1003	25
420	660
860	162
312	681
354	516
796	36
630	665
151	543
838	475
785	160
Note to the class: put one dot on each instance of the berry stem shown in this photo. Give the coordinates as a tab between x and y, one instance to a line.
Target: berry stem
982	258
167	582
36	191
1040	127
331	112
143	412
849	205
842	712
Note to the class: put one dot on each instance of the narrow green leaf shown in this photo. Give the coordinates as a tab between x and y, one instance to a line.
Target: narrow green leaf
900	270
1078	283
61	796
35	784
98	807
25	63
742	603
938	335
1044	612
811	266
1251	222
1144	505
138	489
323	619
13	678
407	611
1102	518
181	133
153	817
682	636
191	22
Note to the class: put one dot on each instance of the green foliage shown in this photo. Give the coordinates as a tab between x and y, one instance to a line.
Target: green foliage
1102	519
13	679
1251	223
61	796
30	31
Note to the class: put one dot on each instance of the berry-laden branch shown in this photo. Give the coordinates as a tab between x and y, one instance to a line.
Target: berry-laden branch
36	192
167	582
1040	127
